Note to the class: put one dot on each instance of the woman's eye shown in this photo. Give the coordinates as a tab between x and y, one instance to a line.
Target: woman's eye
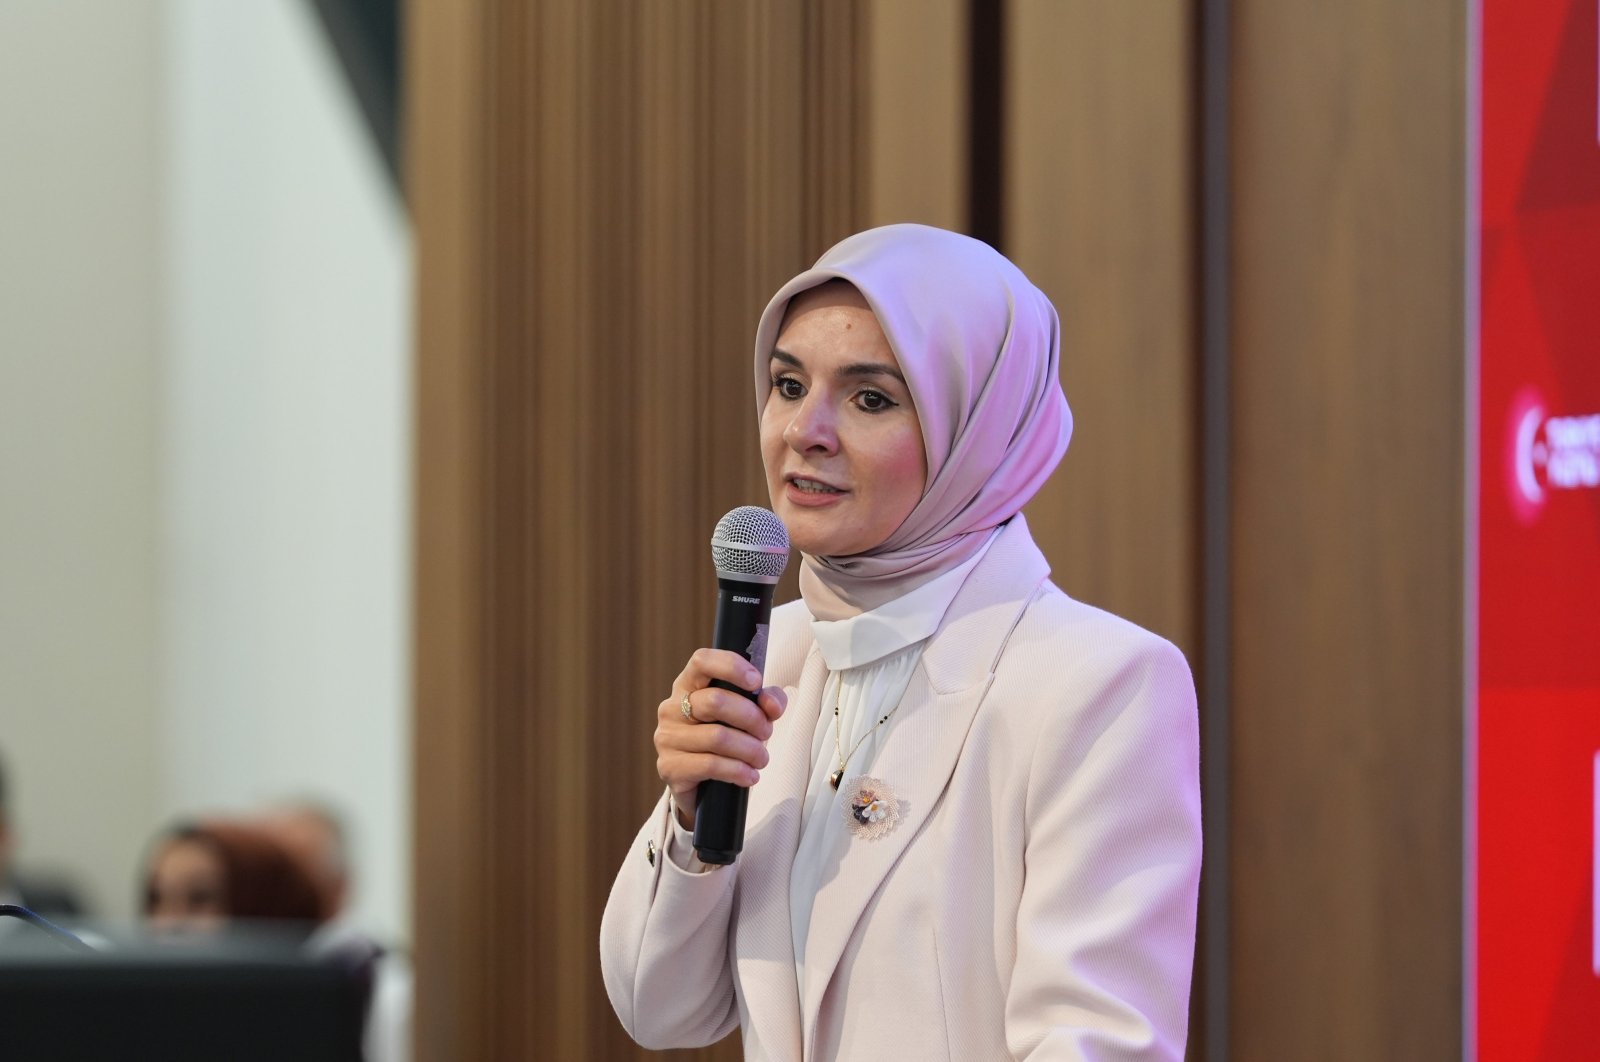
788	387
874	401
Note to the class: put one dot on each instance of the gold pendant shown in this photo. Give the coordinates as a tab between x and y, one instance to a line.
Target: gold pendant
836	777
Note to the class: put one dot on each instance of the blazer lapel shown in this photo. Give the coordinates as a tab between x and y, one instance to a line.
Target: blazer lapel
764	948
921	752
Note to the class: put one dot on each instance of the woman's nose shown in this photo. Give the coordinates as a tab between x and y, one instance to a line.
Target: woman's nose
812	428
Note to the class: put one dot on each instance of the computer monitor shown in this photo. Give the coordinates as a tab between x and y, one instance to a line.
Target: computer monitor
241	999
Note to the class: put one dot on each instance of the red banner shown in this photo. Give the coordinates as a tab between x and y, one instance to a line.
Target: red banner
1534	932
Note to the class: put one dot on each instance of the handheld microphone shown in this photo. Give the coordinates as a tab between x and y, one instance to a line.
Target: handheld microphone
750	549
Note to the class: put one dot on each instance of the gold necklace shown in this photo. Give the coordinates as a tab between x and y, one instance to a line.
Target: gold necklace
837	776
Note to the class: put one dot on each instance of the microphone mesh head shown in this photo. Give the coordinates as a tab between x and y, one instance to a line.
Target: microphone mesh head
750	544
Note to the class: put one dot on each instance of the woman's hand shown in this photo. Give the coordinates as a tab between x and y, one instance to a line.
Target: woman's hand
690	752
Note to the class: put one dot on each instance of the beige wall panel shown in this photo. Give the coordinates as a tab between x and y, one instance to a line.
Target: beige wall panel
1099	211
446	126
916	113
1349	158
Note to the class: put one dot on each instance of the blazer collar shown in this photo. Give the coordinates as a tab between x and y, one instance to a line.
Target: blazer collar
980	619
919	757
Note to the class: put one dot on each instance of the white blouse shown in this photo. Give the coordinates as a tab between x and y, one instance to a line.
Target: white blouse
870	658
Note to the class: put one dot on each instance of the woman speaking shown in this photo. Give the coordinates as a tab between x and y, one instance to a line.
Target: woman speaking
974	827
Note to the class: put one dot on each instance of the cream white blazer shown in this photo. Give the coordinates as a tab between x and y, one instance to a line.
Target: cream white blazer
1035	900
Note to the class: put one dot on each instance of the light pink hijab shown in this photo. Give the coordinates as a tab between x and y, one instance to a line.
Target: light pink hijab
980	348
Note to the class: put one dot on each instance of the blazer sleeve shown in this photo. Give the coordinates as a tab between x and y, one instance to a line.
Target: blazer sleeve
664	944
1106	919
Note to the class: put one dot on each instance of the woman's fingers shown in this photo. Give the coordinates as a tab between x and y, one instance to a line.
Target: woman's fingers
712	705
773	701
724	734
724	741
677	739
686	771
710	665
694	754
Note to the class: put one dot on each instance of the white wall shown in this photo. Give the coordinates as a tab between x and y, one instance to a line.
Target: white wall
286	439
204	435
81	145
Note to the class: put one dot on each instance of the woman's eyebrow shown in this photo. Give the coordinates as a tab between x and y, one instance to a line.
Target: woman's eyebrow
858	368
872	368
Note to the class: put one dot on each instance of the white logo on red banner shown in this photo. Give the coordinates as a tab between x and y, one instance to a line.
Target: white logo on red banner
1551	453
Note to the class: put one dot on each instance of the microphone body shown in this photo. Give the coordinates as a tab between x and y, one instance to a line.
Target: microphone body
744	611
750	549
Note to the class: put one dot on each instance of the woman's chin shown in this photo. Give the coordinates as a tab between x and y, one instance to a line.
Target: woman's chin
831	530
807	536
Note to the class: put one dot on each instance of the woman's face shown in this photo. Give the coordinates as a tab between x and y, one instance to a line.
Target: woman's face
188	890
840	437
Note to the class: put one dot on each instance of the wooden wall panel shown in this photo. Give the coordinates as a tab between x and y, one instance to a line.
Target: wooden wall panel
1349	169
1099	199
606	194
916	112
446	129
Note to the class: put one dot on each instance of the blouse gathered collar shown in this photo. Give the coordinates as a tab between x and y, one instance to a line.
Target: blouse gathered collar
870	636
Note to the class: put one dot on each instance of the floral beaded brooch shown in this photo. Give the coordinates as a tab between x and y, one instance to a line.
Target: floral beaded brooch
870	807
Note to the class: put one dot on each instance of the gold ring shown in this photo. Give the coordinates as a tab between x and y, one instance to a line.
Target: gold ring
687	709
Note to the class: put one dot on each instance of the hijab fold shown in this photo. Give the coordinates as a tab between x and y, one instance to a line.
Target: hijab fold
980	348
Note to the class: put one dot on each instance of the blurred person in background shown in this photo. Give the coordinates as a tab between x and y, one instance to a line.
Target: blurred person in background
53	899
283	870
314	832
208	876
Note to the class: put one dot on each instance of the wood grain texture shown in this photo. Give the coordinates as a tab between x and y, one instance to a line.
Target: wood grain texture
446	136
1099	212
606	195
916	112
1349	163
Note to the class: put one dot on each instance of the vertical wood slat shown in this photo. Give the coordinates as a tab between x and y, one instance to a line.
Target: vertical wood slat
915	119
1349	161
601	209
1099	212
445	159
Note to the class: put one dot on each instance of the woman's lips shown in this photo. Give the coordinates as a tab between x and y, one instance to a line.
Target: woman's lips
810	498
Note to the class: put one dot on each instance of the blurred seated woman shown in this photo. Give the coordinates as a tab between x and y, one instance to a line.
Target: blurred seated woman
203	877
